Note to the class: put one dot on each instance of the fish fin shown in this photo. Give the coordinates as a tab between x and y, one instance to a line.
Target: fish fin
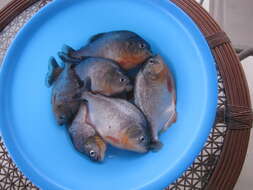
170	83
77	138
81	93
86	87
174	120
87	84
54	71
156	145
72	73
67	49
66	58
170	121
95	37
112	139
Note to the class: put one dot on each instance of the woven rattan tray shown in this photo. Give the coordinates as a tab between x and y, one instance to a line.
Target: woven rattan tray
220	161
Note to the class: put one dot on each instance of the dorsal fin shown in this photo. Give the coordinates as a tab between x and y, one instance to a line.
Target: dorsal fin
95	37
54	71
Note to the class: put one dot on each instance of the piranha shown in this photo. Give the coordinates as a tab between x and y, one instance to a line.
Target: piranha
65	82
117	121
84	137
126	48
106	76
155	95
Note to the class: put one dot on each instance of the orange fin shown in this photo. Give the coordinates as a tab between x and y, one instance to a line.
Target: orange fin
174	118
113	139
170	84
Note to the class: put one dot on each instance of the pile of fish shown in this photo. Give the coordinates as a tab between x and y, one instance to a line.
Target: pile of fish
113	90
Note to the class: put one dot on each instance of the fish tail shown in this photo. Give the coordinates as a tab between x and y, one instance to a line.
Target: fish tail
72	53
67	49
156	145
83	92
54	71
87	84
67	59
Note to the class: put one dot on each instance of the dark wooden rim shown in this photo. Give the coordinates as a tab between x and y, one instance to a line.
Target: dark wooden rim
236	140
12	9
235	146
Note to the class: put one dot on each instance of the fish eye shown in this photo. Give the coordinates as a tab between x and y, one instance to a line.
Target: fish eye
142	45
151	61
129	43
122	80
92	153
142	138
62	117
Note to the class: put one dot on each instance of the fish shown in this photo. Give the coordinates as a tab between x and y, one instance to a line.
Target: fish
117	121
85	138
124	47
65	83
155	95
106	76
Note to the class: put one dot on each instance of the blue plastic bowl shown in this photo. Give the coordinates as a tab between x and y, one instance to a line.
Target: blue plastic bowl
44	152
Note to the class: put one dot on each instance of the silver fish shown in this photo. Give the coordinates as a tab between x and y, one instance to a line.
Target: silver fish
126	48
106	76
85	138
155	95
65	83
118	122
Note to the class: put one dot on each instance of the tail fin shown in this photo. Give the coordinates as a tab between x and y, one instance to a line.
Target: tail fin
66	58
81	93
67	49
86	88
54	71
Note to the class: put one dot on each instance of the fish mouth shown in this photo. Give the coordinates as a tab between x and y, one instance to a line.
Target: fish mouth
129	87
61	122
155	145
139	149
98	159
142	150
157	59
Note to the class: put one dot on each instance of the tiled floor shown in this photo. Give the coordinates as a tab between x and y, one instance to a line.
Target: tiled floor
245	181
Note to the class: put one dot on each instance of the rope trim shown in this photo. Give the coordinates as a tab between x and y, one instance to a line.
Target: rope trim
217	39
238	117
